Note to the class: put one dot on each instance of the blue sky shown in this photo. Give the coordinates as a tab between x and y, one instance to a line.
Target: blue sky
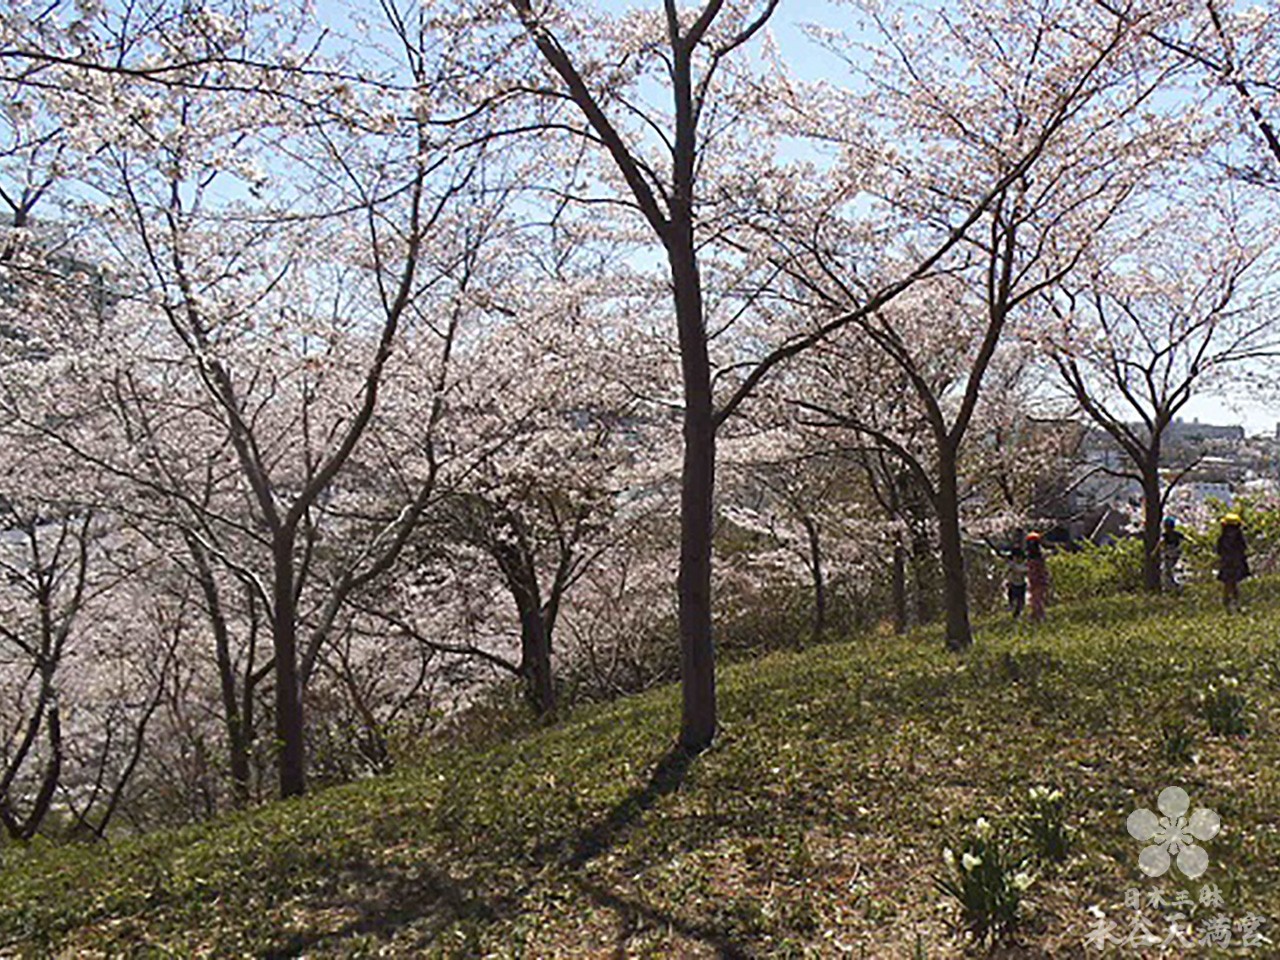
810	61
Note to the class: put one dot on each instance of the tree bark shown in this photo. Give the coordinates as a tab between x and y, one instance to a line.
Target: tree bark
26	828
49	781
819	580
237	743
899	587
697	482
697	651
954	588
535	659
289	718
924	571
1152	518
697	485
520	573
53	773
238	747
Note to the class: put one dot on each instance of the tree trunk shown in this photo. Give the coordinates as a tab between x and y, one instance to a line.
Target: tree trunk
697	480
899	587
51	778
535	657
238	746
26	829
243	742
697	486
925	575
954	588
819	581
284	627
1152	518
520	574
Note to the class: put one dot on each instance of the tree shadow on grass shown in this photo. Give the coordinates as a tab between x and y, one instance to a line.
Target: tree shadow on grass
430	901
667	777
633	915
391	899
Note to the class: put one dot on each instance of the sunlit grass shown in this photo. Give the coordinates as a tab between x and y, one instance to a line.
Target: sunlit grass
814	826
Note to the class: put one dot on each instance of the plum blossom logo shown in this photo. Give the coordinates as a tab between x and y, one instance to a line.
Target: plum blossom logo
1173	837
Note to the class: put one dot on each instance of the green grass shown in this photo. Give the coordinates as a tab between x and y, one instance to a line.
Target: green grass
814	827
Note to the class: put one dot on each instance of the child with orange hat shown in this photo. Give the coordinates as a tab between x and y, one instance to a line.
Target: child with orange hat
1037	577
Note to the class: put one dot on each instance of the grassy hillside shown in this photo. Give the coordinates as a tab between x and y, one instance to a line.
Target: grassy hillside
814	827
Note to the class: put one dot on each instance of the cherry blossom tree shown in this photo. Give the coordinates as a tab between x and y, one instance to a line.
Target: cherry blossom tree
82	672
667	162
839	378
797	513
134	662
1029	114
1156	317
693	46
362	346
47	582
1233	50
267	255
617	628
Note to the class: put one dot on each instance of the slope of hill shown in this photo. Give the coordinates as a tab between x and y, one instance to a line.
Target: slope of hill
816	826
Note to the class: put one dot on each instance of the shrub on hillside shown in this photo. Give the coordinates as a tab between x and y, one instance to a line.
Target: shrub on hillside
1095	571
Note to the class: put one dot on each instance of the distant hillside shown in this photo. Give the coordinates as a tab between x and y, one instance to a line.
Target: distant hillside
815	827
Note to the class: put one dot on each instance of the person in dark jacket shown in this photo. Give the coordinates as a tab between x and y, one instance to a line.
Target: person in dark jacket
1016	579
1170	556
1233	560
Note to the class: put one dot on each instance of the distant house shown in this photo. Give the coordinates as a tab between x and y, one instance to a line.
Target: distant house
1195	434
1091	498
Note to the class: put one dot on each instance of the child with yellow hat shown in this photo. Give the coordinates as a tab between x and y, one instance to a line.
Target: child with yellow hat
1233	559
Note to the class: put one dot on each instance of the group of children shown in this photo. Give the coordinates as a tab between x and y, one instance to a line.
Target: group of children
1027	575
1233	557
